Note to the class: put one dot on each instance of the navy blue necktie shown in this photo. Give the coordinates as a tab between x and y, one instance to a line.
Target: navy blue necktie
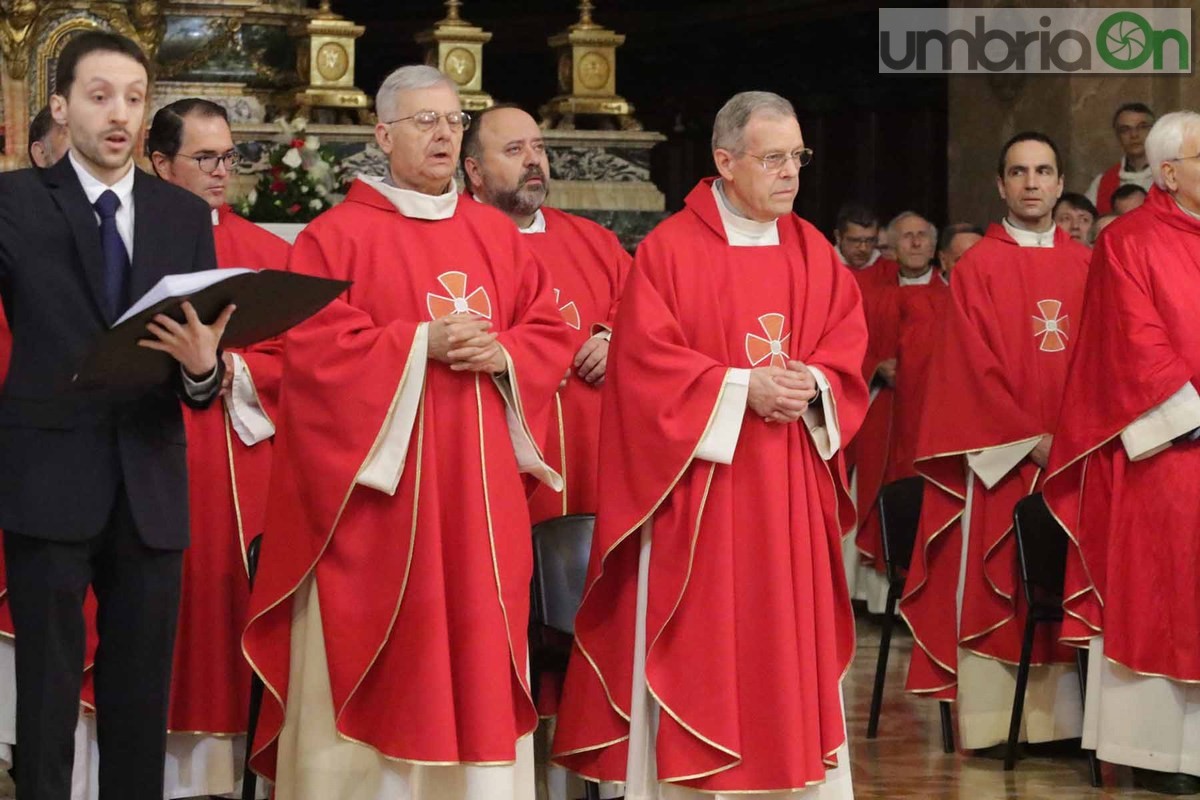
116	257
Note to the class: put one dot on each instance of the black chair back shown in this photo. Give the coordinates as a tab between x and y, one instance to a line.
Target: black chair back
899	513
561	549
1041	551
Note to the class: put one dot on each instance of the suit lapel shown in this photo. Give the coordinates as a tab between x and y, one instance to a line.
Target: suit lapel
72	202
144	275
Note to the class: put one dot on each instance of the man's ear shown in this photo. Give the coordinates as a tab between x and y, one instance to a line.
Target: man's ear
58	109
161	164
474	174
724	161
383	137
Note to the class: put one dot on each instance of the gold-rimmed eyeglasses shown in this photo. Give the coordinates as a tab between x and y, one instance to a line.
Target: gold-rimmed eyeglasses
428	120
773	162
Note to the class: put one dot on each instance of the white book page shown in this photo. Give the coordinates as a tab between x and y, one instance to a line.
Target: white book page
180	286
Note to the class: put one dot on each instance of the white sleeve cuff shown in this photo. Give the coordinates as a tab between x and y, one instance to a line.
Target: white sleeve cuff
720	440
1152	432
991	465
385	463
822	421
250	421
529	458
199	389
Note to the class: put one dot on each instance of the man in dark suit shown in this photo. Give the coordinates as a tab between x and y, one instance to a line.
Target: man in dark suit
93	483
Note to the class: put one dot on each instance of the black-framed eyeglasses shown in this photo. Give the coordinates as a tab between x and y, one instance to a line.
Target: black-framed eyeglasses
207	163
428	120
773	162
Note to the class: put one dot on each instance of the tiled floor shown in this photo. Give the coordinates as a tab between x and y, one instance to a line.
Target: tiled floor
906	760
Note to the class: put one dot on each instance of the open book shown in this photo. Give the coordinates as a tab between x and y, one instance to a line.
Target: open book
268	303
180	286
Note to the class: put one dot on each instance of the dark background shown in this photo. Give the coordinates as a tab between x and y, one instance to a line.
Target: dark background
880	139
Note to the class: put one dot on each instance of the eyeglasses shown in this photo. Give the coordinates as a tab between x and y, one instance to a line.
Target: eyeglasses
861	241
773	162
1125	130
1184	158
208	163
428	120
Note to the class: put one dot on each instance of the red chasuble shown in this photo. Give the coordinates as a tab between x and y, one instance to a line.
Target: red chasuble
588	267
1130	573
424	593
227	494
874	452
922	312
748	623
1001	366
1110	181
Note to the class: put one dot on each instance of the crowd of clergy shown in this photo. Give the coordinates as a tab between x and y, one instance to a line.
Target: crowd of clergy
728	402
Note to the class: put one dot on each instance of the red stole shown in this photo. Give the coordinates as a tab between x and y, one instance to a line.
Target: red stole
1133	523
1000	366
748	624
588	266
425	593
1110	181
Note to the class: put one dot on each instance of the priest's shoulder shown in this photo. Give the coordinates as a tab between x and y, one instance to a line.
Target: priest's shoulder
240	226
582	224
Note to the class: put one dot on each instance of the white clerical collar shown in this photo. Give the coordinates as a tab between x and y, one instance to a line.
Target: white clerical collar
538	225
1028	238
1133	175
920	280
875	254
414	204
93	187
216	218
742	231
1187	211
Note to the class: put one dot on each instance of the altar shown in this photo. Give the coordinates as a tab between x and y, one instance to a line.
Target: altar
272	65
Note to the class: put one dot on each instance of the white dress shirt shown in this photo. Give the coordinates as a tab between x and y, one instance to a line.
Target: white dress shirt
93	187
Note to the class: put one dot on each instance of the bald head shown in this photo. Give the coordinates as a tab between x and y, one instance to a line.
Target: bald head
505	162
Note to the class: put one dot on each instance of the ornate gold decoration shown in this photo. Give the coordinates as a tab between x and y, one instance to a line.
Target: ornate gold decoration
587	75
455	46
20	22
325	54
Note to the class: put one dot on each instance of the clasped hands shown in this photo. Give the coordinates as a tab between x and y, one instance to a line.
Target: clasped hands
465	343
781	395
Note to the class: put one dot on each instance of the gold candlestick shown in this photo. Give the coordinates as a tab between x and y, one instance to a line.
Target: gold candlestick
455	47
587	75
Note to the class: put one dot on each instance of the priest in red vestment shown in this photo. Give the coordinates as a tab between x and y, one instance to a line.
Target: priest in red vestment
505	163
1131	124
984	437
229	465
873	452
504	159
716	625
388	618
1123	474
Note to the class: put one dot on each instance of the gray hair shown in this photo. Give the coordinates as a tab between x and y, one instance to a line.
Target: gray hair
736	113
903	215
406	79
1165	140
